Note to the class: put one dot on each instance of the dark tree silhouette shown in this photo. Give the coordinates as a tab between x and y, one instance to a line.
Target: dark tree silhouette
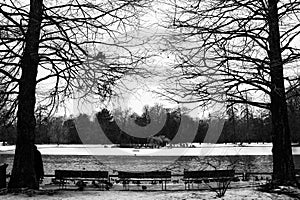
228	50
70	45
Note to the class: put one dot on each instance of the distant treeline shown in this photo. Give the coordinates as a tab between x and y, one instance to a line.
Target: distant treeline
242	124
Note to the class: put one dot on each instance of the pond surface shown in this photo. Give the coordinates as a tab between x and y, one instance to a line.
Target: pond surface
149	163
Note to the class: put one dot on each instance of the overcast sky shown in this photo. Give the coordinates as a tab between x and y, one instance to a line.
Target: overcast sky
142	91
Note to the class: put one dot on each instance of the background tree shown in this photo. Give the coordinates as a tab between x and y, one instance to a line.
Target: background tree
247	118
7	116
71	132
232	120
67	45
56	130
42	125
226	49
294	114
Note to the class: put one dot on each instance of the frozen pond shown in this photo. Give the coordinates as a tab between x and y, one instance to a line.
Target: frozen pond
251	158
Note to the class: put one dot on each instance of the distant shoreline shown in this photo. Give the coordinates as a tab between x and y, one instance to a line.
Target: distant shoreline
200	150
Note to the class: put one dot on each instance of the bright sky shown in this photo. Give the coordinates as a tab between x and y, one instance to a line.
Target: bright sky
142	90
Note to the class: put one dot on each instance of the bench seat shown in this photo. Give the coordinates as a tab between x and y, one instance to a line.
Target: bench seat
206	176
161	176
63	176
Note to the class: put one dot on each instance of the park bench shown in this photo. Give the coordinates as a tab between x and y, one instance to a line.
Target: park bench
152	176
222	177
63	176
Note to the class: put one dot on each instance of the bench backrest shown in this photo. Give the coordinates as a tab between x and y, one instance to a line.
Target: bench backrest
80	174
209	174
152	174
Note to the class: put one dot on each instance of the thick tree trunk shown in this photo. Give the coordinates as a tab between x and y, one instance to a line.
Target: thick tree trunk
283	165
23	174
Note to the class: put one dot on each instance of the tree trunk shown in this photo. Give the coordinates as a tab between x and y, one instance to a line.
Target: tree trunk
283	165
23	174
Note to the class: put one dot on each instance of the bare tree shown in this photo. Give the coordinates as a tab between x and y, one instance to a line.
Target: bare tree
228	50
71	45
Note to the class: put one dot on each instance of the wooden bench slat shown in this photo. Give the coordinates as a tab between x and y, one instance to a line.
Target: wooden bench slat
65	175
144	175
208	174
94	174
80	174
162	176
225	176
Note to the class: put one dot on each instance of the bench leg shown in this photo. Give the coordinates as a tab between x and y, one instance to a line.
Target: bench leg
125	185
163	185
64	184
61	184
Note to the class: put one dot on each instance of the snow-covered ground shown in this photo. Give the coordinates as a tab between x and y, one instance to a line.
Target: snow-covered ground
199	150
231	194
239	193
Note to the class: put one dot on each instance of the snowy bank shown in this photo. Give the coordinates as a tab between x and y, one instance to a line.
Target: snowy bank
231	194
200	150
